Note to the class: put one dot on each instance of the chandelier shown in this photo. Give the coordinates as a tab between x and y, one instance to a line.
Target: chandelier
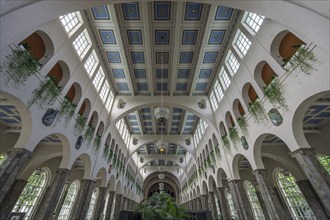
161	145
162	113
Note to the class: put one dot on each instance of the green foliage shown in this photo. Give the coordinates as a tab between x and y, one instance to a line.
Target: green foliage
80	123
213	156
67	109
233	135
160	206
97	141
88	135
226	142
242	124
19	65
217	151
304	59
105	151
209	162
46	94
274	92
257	111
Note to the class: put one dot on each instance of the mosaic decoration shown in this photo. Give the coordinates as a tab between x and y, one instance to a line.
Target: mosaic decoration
113	57
122	86
142	86
101	13
134	37
205	73
244	143
79	142
140	73
186	57
137	57
223	13
161	86
275	117
118	73
49	117
162	37
162	57
193	11
162	11
107	36
201	86
183	73
216	36
210	57
189	37
131	11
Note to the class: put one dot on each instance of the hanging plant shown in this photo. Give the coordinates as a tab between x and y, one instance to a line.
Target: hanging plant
225	141
304	59
20	65
88	135
257	111
97	141
242	124
46	94
233	135
105	151
67	109
275	95
217	151
209	162
213	156
80	123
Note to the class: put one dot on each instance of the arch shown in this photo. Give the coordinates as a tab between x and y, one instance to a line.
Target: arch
221	174
87	162
249	94
211	184
102	176
112	183
69	200
204	188
118	188
222	128
211	145
100	129
229	120
236	163
74	93
40	46
85	108
215	140
238	109
264	74
93	120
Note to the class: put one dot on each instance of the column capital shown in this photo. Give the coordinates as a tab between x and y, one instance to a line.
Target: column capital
303	151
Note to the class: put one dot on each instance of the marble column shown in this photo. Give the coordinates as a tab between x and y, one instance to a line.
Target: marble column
205	204
316	174
16	160
311	197
262	204
117	206
240	200
83	199
191	205
213	205
194	205
123	205
11	198
99	207
199	203
110	204
52	195
223	203
128	207
269	197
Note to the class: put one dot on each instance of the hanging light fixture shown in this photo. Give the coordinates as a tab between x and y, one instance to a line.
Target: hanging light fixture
162	113
161	146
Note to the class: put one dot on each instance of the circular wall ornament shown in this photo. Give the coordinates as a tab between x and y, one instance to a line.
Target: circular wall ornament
275	117
79	142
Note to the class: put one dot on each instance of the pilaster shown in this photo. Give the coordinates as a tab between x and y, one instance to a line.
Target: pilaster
110	204
117	206
100	203
223	203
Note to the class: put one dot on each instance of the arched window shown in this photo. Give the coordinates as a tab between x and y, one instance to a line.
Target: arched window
324	160
69	201
253	199
92	204
32	192
2	158
232	210
292	195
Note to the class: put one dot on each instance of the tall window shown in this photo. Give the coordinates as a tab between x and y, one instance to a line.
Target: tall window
81	43
90	64
92	204
232	62
231	207
214	101
254	21
70	21
69	200
98	79
32	192
254	201
292	195
104	91
242	43
224	78
109	102
324	160
2	158
218	91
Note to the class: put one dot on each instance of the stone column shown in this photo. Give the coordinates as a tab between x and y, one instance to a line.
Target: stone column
52	195
194	204
100	203
199	203
223	203
128	206
15	162
269	197
191	205
123	205
110	204
205	204
262	204
240	200
312	199
213	205
11	198
117	206
83	199
316	175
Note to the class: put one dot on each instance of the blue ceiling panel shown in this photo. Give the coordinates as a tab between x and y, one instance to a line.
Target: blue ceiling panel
118	73
223	13
9	120
216	36
186	57
145	110
191	117
107	36
193	11
200	86
101	13
177	110
162	11
134	123
134	37
162	57
8	108
189	37
131	117
181	86
122	86
161	73
131	11
142	86
210	57
140	73
175	123
161	86
113	56
137	57
176	117
183	73
162	37
146	117
205	73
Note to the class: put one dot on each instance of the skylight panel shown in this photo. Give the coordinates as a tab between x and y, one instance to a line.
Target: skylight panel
71	21
81	43
108	104
90	64
224	78
99	77
242	43
104	91
254	21
232	62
